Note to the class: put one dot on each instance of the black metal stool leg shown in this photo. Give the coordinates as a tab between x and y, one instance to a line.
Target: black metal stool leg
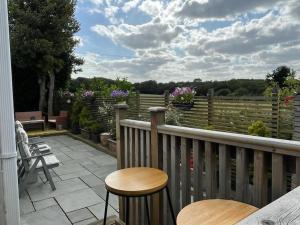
171	207
147	210
106	205
127	210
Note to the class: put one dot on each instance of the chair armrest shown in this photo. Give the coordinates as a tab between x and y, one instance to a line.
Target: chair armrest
36	150
35	143
36	156
37	137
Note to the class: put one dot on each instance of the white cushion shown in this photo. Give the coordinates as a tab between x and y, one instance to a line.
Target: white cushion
23	142
49	159
18	124
24	136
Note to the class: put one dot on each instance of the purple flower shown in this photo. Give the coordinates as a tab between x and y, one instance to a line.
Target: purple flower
87	94
182	91
119	95
183	95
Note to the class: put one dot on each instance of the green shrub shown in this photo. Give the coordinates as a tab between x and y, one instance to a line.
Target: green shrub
75	111
259	128
85	118
95	127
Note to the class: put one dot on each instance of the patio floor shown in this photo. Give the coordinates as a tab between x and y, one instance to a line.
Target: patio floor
79	197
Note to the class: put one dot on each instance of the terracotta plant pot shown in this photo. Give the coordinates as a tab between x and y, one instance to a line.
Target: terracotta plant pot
112	145
104	138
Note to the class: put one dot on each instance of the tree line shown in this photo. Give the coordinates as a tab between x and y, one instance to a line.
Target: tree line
234	87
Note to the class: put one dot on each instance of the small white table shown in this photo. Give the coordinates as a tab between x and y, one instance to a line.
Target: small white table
285	210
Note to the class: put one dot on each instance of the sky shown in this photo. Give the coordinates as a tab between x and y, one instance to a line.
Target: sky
181	40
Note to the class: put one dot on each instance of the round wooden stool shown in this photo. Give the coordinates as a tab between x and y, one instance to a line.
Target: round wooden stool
136	182
214	212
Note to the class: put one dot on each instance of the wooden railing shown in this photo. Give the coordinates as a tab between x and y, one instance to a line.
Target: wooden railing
203	164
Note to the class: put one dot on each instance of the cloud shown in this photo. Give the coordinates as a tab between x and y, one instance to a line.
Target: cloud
150	35
130	5
151	7
257	35
166	47
221	8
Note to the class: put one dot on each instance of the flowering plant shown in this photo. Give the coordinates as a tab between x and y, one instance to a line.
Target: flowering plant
87	94
183	95
119	95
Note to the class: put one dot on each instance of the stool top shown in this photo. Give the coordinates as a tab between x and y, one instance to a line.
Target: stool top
215	211
136	181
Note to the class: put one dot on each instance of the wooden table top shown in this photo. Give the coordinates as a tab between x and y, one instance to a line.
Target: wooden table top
285	210
214	212
136	181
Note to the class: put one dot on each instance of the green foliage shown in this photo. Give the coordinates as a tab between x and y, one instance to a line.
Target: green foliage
279	76
291	87
75	111
101	86
172	116
259	128
42	44
95	127
85	118
254	87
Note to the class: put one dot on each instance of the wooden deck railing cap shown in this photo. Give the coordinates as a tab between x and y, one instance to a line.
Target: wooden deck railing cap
157	109
238	138
121	106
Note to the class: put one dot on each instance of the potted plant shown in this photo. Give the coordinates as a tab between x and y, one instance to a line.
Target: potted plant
104	138
183	98
85	121
106	111
74	116
95	129
88	95
120	96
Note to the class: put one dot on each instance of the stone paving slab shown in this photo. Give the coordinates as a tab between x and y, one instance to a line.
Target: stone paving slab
78	200
98	210
44	191
80	190
113	199
86	222
26	205
39	205
91	180
49	216
103	171
80	215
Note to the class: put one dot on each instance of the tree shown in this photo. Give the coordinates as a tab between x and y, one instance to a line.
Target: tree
284	79
43	44
280	75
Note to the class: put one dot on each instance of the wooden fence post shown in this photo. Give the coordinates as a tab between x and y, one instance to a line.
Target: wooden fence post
156	155
167	98
210	106
275	112
296	131
120	110
138	102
